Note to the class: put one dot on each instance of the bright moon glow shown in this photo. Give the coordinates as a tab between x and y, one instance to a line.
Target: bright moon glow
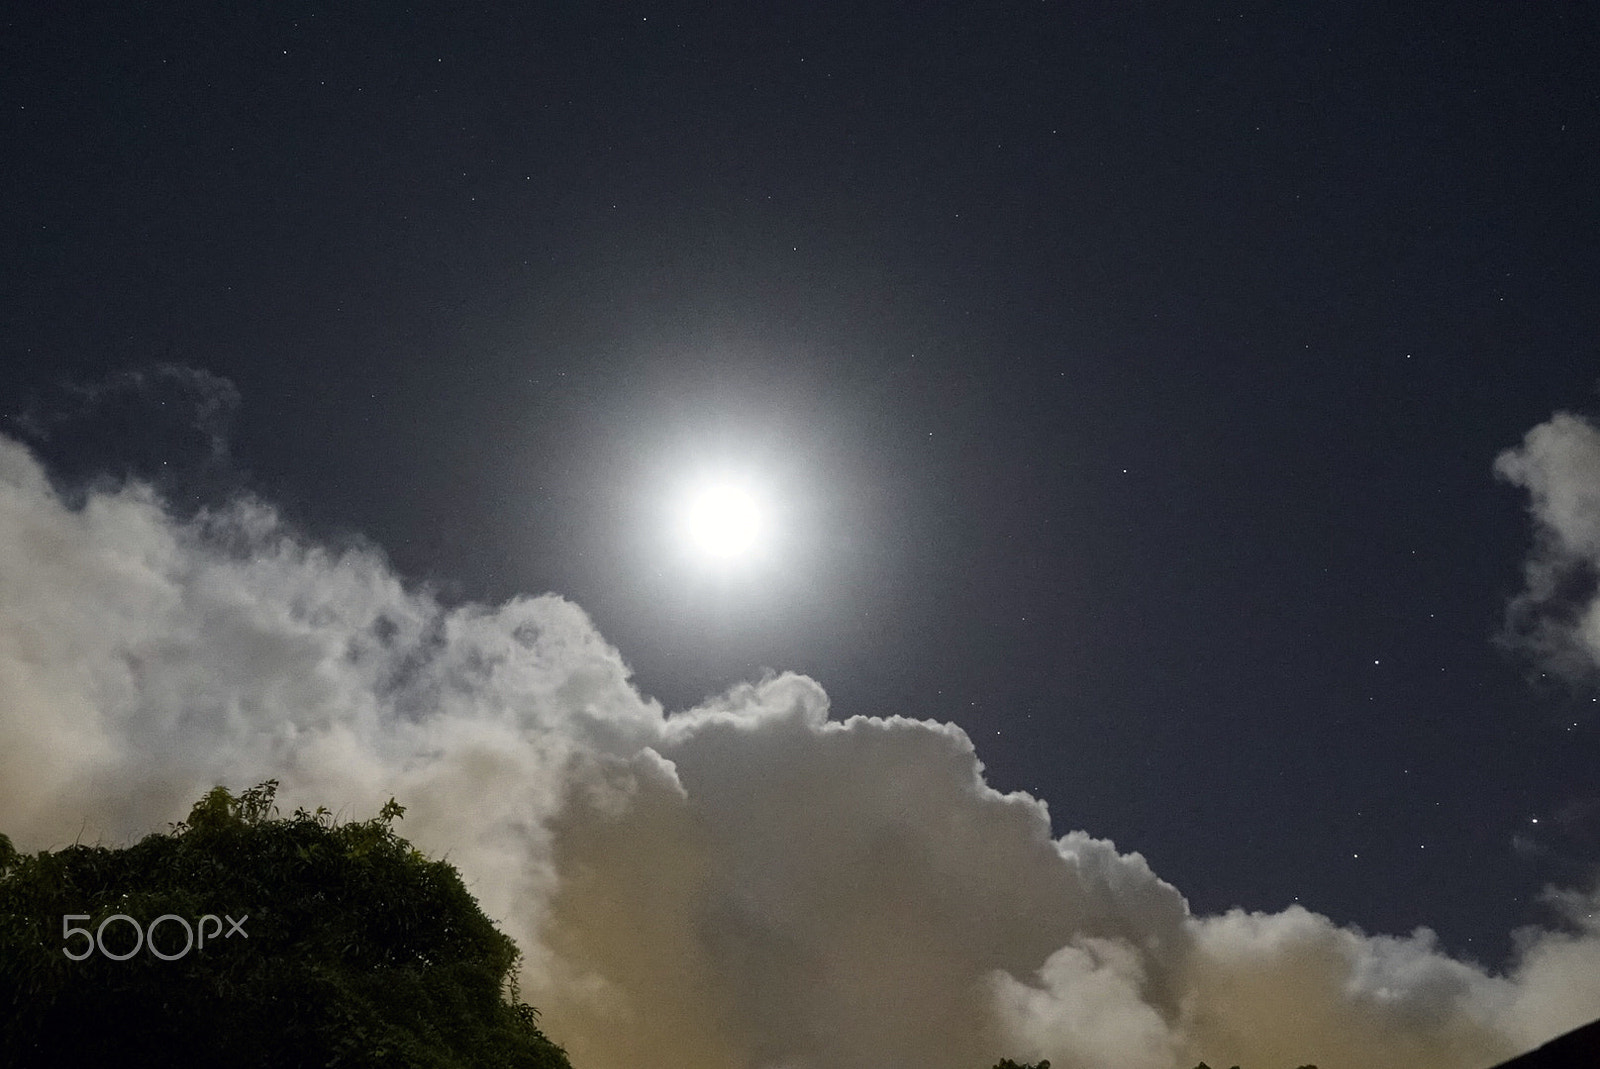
725	522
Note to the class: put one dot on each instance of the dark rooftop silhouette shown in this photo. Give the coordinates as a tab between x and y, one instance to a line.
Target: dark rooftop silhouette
1578	1049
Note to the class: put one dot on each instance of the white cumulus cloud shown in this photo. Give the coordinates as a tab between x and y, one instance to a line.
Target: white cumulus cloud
1556	618
750	884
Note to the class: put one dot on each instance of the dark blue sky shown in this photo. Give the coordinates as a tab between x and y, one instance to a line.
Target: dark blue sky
1136	376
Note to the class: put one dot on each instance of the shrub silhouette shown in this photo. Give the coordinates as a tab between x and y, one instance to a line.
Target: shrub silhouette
357	950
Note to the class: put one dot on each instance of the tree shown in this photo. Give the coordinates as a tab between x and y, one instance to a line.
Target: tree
343	947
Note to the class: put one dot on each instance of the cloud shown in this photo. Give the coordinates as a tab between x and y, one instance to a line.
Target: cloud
1556	618
750	884
165	424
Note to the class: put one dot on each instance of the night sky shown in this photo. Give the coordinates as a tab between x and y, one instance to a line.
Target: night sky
1128	379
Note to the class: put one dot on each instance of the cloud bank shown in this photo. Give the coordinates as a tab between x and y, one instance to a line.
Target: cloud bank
749	884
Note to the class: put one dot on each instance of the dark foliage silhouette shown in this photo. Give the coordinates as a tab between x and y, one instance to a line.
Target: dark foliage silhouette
352	949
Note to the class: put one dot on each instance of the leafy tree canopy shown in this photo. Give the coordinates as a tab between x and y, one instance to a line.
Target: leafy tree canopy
352	949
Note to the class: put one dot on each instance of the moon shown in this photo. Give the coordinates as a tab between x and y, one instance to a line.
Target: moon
725	521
